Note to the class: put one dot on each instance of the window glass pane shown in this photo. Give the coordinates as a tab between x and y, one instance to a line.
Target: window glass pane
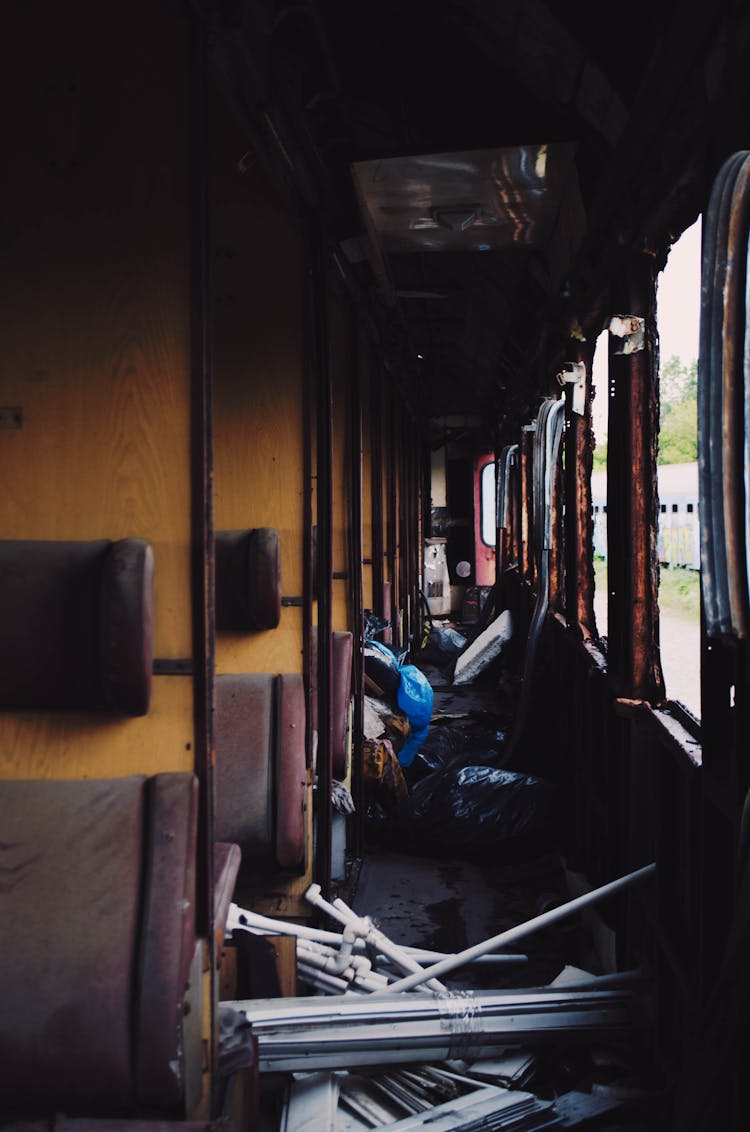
678	316
599	413
488	505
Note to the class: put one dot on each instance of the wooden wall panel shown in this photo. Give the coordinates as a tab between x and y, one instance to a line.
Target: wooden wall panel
94	290
341	363
258	393
96	745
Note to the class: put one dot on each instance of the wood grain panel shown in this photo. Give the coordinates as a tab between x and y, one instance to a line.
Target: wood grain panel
341	368
258	411
94	290
97	745
270	650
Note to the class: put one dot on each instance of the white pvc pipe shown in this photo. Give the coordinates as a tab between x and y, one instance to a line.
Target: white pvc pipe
245	920
365	928
371	981
521	930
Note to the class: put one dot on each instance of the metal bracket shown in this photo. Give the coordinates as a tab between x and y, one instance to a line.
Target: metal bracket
574	373
11	416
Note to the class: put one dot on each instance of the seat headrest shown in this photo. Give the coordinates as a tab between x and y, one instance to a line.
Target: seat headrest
77	625
248	579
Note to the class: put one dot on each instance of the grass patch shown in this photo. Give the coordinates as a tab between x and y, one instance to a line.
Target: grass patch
679	589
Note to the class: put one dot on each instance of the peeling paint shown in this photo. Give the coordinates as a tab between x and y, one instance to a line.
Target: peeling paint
632	329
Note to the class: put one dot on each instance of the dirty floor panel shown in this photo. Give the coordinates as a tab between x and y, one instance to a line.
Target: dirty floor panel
448	905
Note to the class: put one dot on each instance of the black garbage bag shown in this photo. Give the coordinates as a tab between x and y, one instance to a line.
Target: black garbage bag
442	645
374	625
382	666
466	810
456	744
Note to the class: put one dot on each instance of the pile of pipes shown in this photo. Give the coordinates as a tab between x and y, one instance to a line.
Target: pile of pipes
434	1098
325	1033
472	1051
359	959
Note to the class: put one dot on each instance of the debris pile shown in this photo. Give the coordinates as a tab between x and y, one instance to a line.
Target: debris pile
434	1098
360	1051
314	1033
437	783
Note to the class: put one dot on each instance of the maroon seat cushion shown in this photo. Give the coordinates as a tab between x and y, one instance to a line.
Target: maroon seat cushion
125	626
248	579
342	690
245	726
76	620
291	773
227	860
97	910
260	766
167	941
342	646
49	610
70	862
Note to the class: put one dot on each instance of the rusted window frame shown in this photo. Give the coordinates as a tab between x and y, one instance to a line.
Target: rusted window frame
632	504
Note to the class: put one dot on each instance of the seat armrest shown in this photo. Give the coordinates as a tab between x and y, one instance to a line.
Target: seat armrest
227	858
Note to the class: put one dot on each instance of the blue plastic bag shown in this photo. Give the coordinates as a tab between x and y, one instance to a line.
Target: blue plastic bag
415	698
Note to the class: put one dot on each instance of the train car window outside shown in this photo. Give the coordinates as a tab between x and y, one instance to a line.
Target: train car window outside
678	317
599	411
487	496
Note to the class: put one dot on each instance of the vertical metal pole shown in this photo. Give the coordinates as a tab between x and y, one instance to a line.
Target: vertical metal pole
309	567
556	554
394	571
201	512
317	283
525	451
201	469
579	526
632	503
357	585
376	487
404	493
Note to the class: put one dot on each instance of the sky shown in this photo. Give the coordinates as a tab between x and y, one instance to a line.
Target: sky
677	314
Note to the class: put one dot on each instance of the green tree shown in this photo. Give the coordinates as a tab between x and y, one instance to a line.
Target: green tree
600	456
678	430
678	381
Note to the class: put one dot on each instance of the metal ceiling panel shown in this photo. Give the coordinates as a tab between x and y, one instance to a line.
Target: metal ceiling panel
480	200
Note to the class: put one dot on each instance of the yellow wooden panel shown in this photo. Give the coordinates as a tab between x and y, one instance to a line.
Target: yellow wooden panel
341	369
95	745
258	380
340	611
270	650
94	290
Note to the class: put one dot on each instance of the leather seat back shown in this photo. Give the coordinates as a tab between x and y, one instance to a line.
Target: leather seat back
97	907
76	625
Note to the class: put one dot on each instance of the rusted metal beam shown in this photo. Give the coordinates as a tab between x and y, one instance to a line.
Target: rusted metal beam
376	484
356	586
322	393
632	502
201	472
579	524
526	446
557	557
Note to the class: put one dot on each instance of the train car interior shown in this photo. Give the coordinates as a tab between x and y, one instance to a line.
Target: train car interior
374	570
